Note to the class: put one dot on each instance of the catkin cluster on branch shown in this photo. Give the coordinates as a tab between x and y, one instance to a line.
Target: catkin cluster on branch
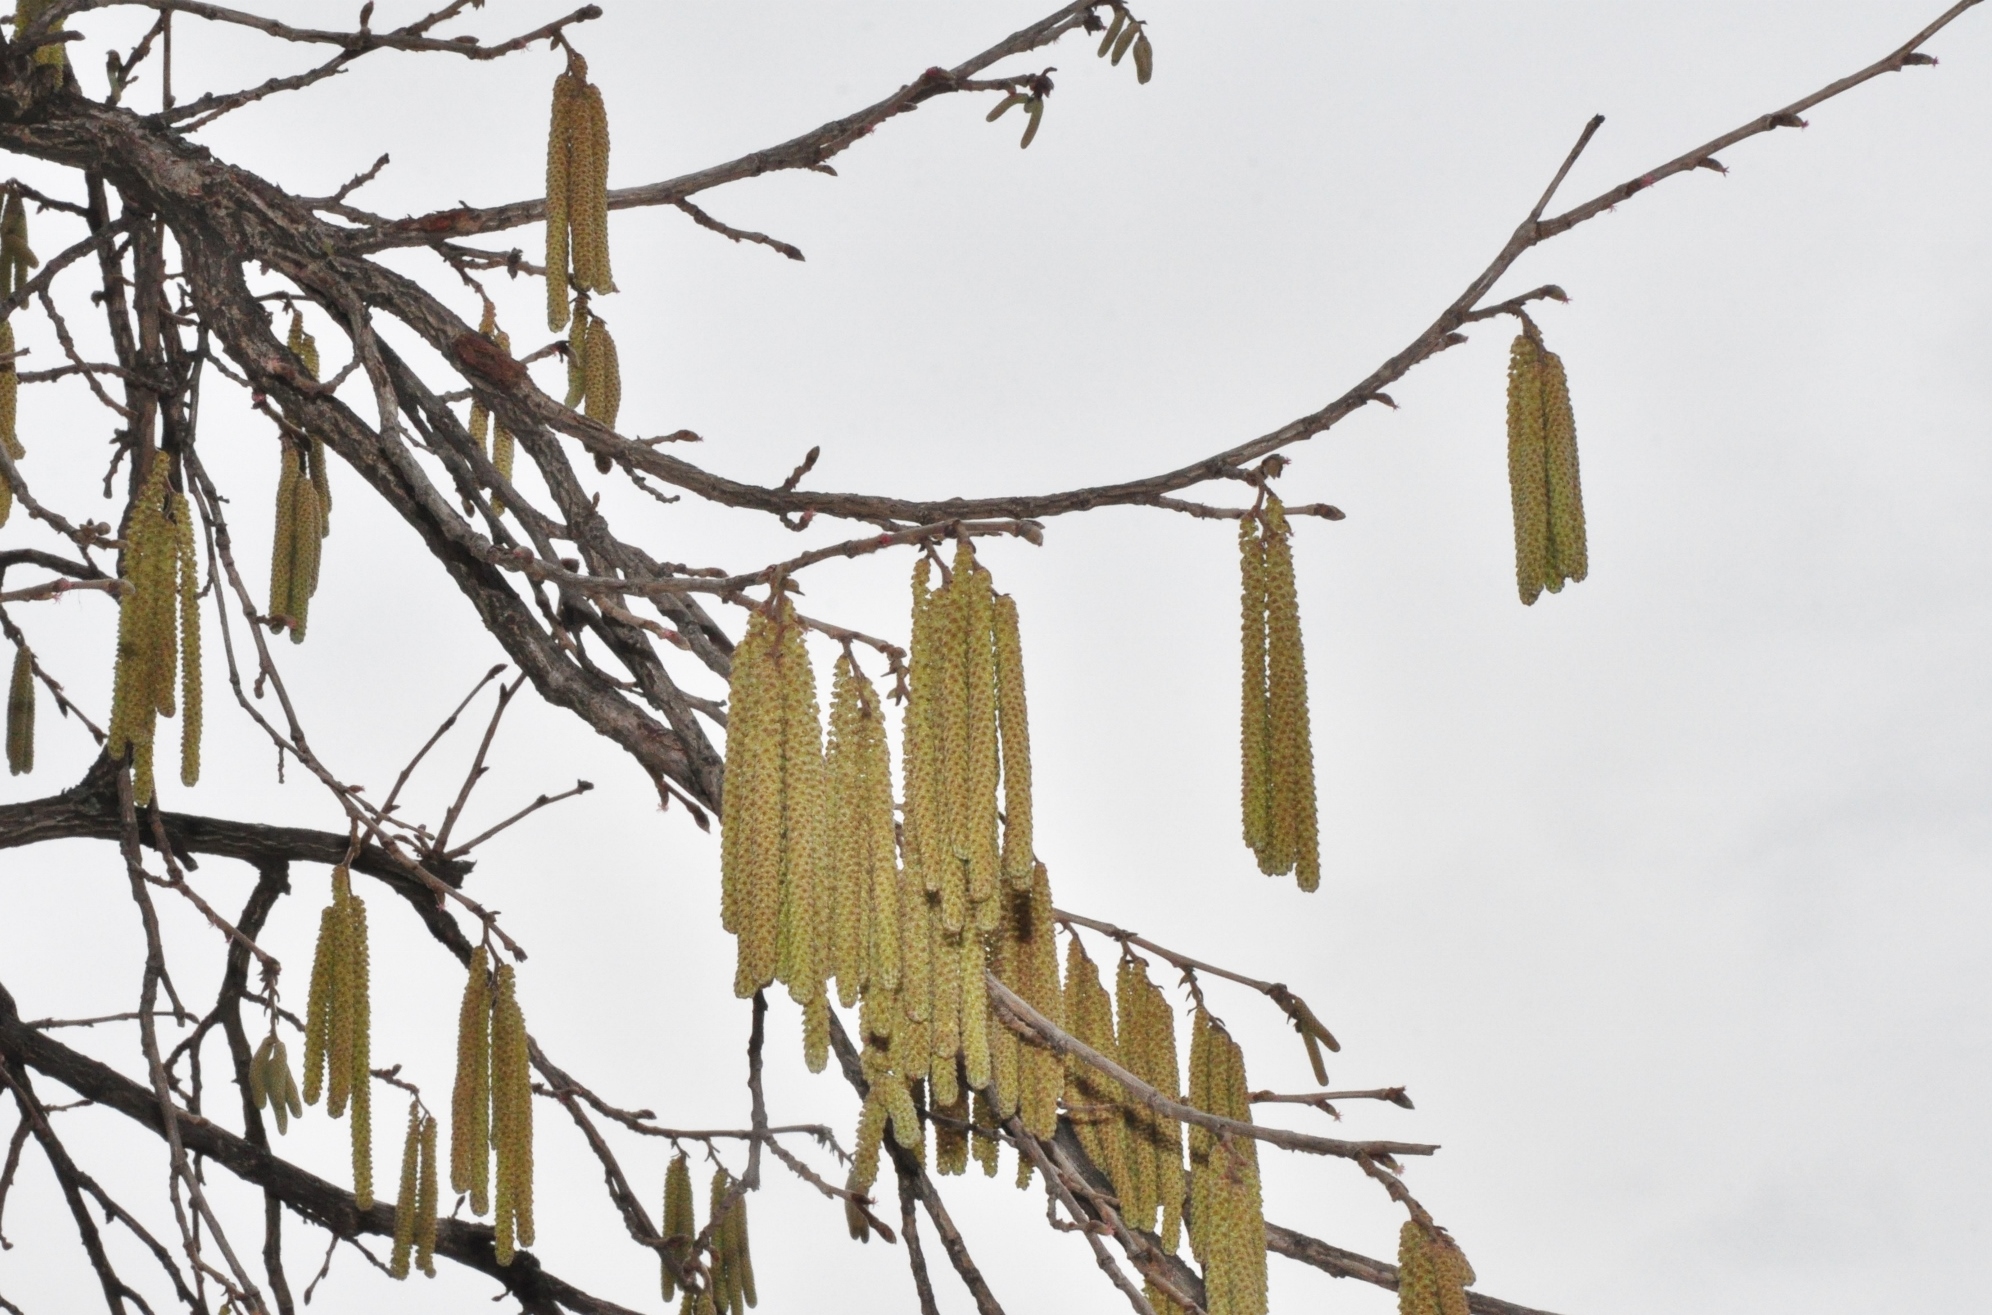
503	446
1094	1102
303	513
1127	33
681	1226
772	854
415	1207
271	1083
338	1026
577	191
1542	471
594	373
1277	750
16	259
21	714
1227	1223
731	1264
159	630
1432	1272
491	1106
861	897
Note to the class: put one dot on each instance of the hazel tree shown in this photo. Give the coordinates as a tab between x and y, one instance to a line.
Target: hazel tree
879	864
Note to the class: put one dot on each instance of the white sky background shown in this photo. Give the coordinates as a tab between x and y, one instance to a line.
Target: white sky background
1665	896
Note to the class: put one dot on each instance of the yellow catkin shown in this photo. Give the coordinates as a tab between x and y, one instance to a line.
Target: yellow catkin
559	185
602	384
982	1128
1005	1056
743	1255
318	1013
801	943
975	1019
470	1101
680	1223
1228	1227
1252	720
1166	1135
1134	1036
404	1204
426	1194
25	12
359	1058
511	1118
188	597
10	384
588	195
916	982
975	817
1528	475
751	812
1291	826
944	856
1018	855
1093	1100
1417	1278
1570	557
1455	1275
1041	1074
945	1025
951	1134
21	715
816	1032
847	834
283	546
865	1150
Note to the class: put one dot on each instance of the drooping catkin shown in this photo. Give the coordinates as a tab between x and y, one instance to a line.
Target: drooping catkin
360	1056
982	1128
10	384
338	1024
975	808
1014	715
21	714
861	893
1227	1222
426	1196
295	547
470	1101
1134	1036
1291	834
318	1013
577	172
1253	735
189	598
816	1032
511	1118
680	1222
404	1203
1093	1101
951	1134
743	1253
975	1019
16	256
1041	1074
602	379
801	958
1543	484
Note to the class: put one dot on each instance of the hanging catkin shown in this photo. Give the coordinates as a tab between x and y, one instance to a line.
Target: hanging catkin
680	1223
951	1134
404	1202
21	714
16	256
295	545
1227	1223
426	1196
602	374
54	53
1014	716
1276	749
511	1119
1040	1073
10	384
493	439
271	1083
337	1026
1092	1099
772	826
577	174
1432	1272
1543	482
470	1101
189	598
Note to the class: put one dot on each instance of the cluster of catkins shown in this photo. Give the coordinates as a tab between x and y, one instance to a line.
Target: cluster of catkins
415	1208
1275	745
1542	471
338	1026
491	1109
729	1284
159	630
577	241
1227	1223
271	1084
501	445
304	511
1432	1272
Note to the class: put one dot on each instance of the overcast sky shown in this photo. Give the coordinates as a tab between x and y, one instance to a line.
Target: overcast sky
1666	897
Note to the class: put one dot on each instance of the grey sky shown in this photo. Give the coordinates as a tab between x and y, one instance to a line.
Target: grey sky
1666	897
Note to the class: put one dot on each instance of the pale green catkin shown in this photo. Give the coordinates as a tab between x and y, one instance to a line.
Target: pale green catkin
1018	852
404	1203
470	1101
21	714
1293	843
680	1222
1543	483
511	1119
